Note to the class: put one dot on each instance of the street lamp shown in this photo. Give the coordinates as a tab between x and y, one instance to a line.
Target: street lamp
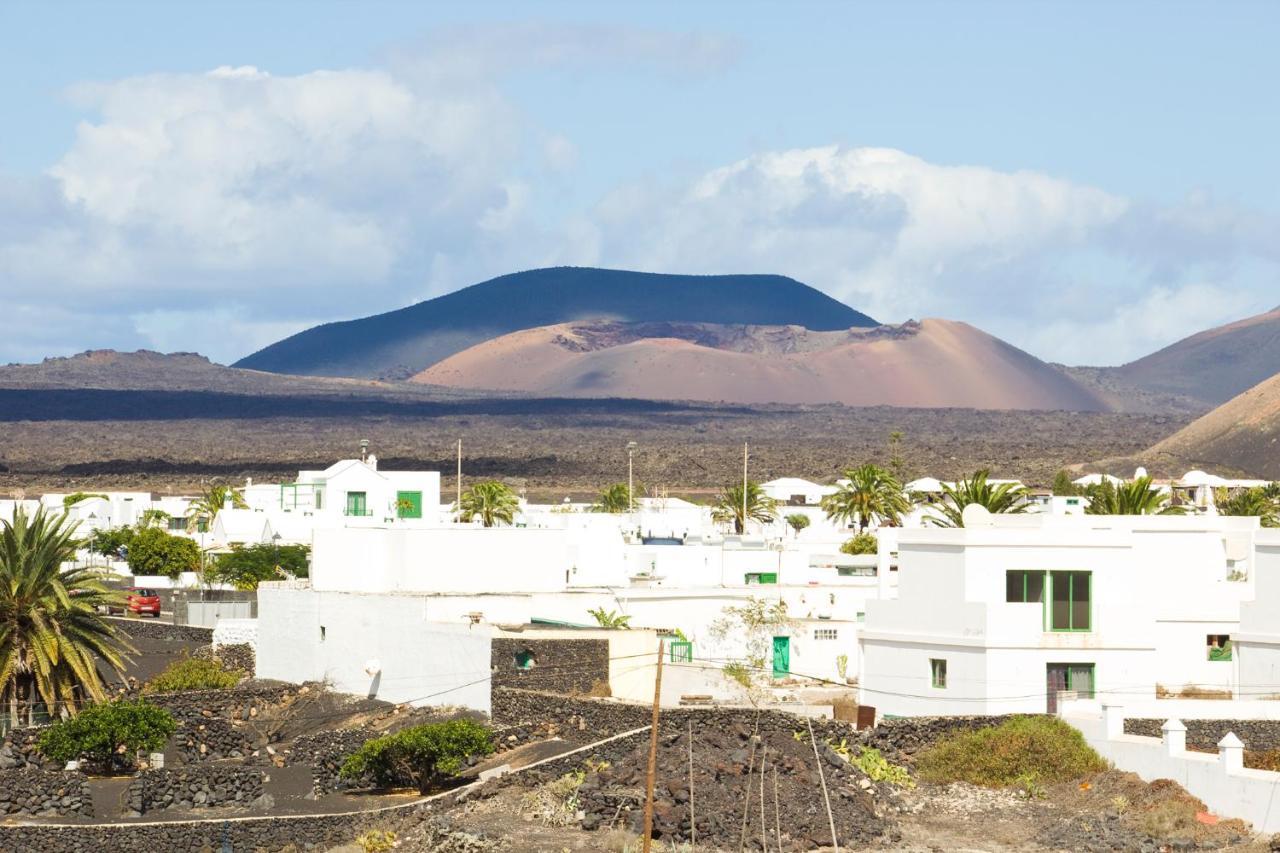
631	497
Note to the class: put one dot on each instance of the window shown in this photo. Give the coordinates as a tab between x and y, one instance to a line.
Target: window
319	498
753	578
1024	587
524	660
862	616
357	504
322	633
1070	608
409	504
1076	677
824	633
177	523
938	672
1219	647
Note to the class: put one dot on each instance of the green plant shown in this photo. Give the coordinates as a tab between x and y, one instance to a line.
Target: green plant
842	666
109	734
246	566
155	552
730	505
75	497
1168	817
52	639
556	802
860	545
616	498
797	521
111	541
152	518
868	494
1137	497
609	618
206	507
1029	787
977	489
193	674
1064	486
377	841
753	625
423	756
879	769
1120	805
1044	748
1255	502
492	502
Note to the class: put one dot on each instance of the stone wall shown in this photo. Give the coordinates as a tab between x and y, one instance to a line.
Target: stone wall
325	752
44	793
154	629
900	740
559	666
203	739
235	632
241	703
1258	735
18	751
205	787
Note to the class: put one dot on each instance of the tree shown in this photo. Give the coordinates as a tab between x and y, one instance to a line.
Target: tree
492	502
860	545
206	507
616	498
897	465
1063	485
870	494
152	518
422	756
75	497
111	541
1136	497
753	625
609	619
797	521
729	506
109	734
1001	498
246	566
1250	502
155	552
52	640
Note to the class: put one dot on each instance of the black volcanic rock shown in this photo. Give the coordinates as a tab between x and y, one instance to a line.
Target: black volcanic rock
399	343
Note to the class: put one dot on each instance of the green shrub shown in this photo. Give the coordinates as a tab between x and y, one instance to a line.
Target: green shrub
423	756
860	545
1019	751
154	552
109	735
193	674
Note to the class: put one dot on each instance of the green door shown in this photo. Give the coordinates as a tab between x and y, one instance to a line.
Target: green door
781	656
356	504
409	504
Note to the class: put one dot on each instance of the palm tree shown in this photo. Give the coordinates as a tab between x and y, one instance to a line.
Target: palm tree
51	636
871	494
610	619
1136	497
616	498
996	498
492	502
729	506
1254	502
206	507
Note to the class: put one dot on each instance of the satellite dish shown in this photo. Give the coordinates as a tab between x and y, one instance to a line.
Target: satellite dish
976	515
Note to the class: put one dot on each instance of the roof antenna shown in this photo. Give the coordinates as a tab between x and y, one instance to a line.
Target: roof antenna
364	450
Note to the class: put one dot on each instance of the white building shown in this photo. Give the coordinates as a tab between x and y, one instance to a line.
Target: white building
793	491
1255	647
999	618
355	489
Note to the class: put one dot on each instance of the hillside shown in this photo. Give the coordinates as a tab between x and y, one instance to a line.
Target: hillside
1242	434
400	343
1212	366
934	363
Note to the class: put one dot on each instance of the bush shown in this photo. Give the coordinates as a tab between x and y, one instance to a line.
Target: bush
249	565
193	674
154	552
1043	750
863	543
109	735
424	756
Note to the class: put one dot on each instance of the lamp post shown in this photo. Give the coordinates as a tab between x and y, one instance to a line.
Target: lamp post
275	552
631	489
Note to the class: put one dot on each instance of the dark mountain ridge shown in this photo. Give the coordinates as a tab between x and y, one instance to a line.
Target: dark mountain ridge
400	343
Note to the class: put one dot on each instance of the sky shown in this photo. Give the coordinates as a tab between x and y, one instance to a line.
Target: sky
1088	180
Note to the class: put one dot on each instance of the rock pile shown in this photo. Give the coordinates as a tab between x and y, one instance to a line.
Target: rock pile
44	793
202	787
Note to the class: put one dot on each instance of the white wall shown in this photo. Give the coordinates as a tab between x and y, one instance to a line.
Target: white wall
1256	644
309	635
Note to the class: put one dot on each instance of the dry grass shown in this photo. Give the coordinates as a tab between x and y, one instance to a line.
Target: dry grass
1191	691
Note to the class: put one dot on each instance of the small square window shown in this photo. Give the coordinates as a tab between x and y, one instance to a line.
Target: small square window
938	672
824	633
525	660
322	633
1219	647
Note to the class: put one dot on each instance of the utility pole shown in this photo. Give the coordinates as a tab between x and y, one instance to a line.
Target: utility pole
653	753
744	488
631	488
459	481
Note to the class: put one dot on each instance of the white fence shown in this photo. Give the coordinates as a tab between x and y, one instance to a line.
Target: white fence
1222	781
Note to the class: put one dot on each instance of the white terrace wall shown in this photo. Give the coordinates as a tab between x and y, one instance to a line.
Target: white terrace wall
1222	781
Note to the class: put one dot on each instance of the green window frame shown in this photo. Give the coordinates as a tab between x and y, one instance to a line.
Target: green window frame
1081	678
1024	586
938	673
408	504
1070	601
357	504
681	651
1219	647
752	578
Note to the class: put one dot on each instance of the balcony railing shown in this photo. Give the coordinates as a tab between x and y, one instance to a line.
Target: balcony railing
363	512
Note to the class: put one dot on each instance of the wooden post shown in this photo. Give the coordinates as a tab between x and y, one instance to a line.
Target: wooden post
744	488
653	754
459	482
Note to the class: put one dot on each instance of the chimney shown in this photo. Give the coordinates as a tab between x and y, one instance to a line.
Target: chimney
372	462
364	449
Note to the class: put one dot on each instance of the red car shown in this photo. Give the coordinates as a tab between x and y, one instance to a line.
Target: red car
142	601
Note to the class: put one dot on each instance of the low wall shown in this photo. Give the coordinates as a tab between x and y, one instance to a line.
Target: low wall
44	793
901	739
193	788
1222	781
236	656
18	751
559	666
155	629
326	752
240	703
208	739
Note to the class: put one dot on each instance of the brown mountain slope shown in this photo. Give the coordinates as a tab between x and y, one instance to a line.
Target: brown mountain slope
1243	434
1214	365
934	363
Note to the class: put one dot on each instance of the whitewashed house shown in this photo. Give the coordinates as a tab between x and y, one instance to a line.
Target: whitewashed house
1005	614
794	491
1255	646
354	489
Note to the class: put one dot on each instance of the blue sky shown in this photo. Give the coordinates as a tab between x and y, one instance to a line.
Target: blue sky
1087	180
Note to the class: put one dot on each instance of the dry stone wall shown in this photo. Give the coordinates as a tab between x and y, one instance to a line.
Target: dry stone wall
1258	735
193	788
44	793
558	666
154	629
